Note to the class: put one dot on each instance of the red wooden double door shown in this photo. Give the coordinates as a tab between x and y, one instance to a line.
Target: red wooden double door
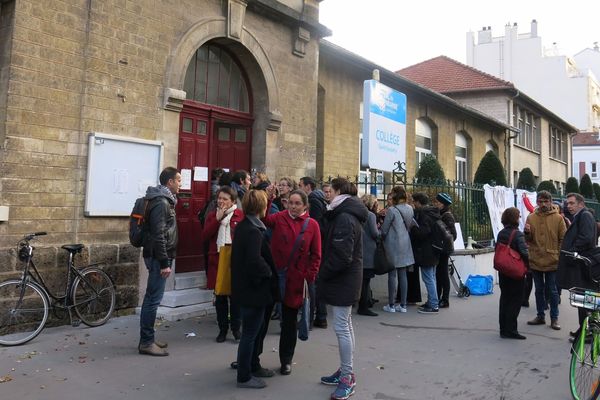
208	138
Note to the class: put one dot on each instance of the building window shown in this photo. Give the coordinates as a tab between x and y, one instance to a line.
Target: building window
594	169
461	150
213	77
558	144
423	141
528	123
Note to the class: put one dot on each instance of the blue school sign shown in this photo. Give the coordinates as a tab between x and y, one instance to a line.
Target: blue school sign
384	126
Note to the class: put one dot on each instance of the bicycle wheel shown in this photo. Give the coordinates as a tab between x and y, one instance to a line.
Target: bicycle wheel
93	296
23	311
585	371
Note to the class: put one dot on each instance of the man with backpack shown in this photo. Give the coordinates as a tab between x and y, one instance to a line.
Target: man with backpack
424	235
160	243
443	201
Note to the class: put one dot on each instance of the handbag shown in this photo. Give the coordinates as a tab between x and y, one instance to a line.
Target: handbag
508	261
382	264
303	324
223	284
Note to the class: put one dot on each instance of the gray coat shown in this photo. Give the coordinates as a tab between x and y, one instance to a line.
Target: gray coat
370	236
395	233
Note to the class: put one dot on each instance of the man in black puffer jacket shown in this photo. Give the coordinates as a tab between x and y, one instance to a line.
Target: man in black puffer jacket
340	276
426	257
160	243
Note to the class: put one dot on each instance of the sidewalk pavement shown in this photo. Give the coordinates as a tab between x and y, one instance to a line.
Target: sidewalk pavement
457	354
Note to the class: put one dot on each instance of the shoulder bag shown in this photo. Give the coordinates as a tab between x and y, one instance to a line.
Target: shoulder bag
508	261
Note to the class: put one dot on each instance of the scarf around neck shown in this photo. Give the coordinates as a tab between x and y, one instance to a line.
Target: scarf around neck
224	235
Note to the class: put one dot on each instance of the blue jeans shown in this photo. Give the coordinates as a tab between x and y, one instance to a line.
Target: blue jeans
253	319
342	325
155	289
428	275
545	285
393	285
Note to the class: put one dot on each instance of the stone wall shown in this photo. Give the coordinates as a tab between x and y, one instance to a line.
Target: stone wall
106	68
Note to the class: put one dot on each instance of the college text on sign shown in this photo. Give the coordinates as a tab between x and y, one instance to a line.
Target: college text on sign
384	126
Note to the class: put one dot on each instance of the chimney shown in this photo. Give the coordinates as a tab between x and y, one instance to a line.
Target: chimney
596	48
484	35
533	28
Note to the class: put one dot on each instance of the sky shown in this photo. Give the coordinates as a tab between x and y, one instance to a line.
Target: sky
399	33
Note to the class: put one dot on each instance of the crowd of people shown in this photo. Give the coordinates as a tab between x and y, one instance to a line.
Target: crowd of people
285	243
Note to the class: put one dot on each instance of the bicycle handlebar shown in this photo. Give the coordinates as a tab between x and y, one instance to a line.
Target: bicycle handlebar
575	255
30	236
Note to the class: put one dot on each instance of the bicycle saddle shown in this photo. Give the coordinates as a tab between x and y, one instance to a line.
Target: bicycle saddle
73	248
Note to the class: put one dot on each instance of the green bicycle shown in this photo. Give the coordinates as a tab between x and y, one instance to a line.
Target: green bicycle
584	374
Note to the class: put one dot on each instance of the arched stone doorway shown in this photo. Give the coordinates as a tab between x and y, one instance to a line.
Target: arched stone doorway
216	130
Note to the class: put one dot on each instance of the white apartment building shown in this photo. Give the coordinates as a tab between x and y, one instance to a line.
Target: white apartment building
567	86
586	155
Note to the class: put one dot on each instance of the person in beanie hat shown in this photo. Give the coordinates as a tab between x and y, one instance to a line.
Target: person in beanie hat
443	201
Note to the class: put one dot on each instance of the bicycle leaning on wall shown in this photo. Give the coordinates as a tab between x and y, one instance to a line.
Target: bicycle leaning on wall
25	302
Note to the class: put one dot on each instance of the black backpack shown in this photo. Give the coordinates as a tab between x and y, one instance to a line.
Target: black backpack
137	219
442	240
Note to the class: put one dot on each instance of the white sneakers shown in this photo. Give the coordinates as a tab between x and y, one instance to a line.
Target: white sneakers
400	308
388	308
394	309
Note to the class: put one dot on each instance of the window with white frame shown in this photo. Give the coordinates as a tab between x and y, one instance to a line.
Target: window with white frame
558	144
461	150
529	125
594	169
423	141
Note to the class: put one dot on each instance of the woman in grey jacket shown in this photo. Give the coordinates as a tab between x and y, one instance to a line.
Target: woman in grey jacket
395	228
370	237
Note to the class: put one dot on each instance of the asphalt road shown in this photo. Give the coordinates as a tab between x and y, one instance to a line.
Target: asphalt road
457	354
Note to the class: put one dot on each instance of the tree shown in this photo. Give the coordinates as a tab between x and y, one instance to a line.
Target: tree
430	170
526	179
597	191
490	170
585	187
572	185
547	185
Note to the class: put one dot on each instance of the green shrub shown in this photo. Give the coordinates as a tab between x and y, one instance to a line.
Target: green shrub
490	170
586	188
430	170
596	191
547	185
572	186
526	180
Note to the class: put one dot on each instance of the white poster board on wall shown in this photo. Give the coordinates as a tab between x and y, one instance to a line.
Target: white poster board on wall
119	171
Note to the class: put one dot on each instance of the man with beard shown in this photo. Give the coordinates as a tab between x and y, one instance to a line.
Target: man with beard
544	232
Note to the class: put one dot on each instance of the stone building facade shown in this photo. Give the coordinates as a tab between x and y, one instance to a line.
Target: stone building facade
71	67
542	141
430	116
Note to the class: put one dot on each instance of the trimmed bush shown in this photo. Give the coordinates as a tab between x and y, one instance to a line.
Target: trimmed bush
547	185
430	170
490	170
526	180
572	186
585	187
596	191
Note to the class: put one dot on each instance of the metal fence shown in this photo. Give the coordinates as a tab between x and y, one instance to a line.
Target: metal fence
469	207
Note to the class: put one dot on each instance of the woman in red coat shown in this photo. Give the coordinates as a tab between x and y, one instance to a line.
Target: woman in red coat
218	232
303	265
